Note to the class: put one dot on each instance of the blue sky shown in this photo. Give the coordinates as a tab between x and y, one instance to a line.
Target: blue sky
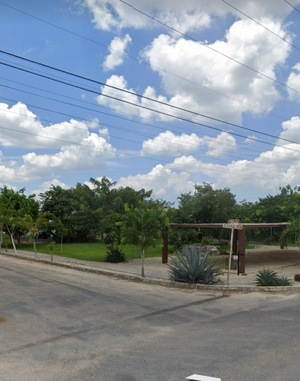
54	133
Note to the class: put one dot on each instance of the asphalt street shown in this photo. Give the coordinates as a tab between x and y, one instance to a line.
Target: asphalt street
62	324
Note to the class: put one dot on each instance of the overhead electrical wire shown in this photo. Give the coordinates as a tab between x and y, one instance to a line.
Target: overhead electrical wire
296	9
78	35
115	88
113	115
189	111
210	47
131	93
202	166
139	60
101	112
148	108
89	109
106	113
105	125
263	26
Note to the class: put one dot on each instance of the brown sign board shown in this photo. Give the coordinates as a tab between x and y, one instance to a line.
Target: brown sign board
233	226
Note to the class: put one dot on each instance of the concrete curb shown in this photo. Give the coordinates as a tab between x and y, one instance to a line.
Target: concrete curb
158	281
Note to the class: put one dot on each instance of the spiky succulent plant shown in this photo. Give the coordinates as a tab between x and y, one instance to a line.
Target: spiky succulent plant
267	277
191	266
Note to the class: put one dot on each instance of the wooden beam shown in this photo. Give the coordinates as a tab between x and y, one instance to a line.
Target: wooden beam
165	246
242	251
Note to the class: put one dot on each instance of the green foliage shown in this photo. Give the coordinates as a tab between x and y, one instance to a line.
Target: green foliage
143	226
179	237
192	266
50	246
14	207
269	278
290	232
115	255
206	205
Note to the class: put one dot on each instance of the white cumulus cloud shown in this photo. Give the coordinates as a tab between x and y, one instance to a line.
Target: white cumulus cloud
116	49
159	179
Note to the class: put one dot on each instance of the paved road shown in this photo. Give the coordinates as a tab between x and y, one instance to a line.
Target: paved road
62	324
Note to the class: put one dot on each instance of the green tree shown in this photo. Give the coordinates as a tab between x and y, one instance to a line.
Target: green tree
33	226
110	209
14	206
290	232
143	226
65	209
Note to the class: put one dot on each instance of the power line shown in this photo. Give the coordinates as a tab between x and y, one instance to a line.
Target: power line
148	108
109	125
90	109
263	26
296	9
132	93
118	89
211	48
138	59
126	113
199	167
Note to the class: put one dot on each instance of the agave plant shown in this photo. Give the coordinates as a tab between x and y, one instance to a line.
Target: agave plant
267	278
191	266
115	255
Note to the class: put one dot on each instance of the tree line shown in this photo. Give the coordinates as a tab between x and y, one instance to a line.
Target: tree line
119	215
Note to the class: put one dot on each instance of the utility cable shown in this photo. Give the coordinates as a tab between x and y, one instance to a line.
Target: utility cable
137	59
97	111
211	48
263	26
296	9
147	108
125	91
201	167
138	95
112	136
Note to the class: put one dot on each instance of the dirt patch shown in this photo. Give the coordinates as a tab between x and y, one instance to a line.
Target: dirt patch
2	320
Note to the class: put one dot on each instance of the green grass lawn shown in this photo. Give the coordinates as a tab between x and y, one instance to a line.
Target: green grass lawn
96	251
91	251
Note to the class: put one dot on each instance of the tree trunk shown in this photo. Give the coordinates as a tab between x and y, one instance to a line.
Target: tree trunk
51	255
1	238
34	246
143	260
13	243
61	244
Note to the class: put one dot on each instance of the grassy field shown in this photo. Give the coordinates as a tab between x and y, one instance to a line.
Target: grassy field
96	251
91	251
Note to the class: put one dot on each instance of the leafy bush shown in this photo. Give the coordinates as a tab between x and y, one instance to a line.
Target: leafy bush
267	278
283	281
115	256
179	237
190	266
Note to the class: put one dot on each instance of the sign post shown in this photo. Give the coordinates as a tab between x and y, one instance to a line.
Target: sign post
232	224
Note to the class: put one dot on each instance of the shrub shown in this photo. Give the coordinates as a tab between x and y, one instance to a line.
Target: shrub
115	255
181	237
190	266
283	281
267	278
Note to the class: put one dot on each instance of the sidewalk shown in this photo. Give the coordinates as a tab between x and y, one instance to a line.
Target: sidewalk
284	262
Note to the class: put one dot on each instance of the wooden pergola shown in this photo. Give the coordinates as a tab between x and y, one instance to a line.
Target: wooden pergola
239	238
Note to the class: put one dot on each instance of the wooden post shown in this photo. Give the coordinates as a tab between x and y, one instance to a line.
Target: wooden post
282	229
230	255
242	251
165	246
